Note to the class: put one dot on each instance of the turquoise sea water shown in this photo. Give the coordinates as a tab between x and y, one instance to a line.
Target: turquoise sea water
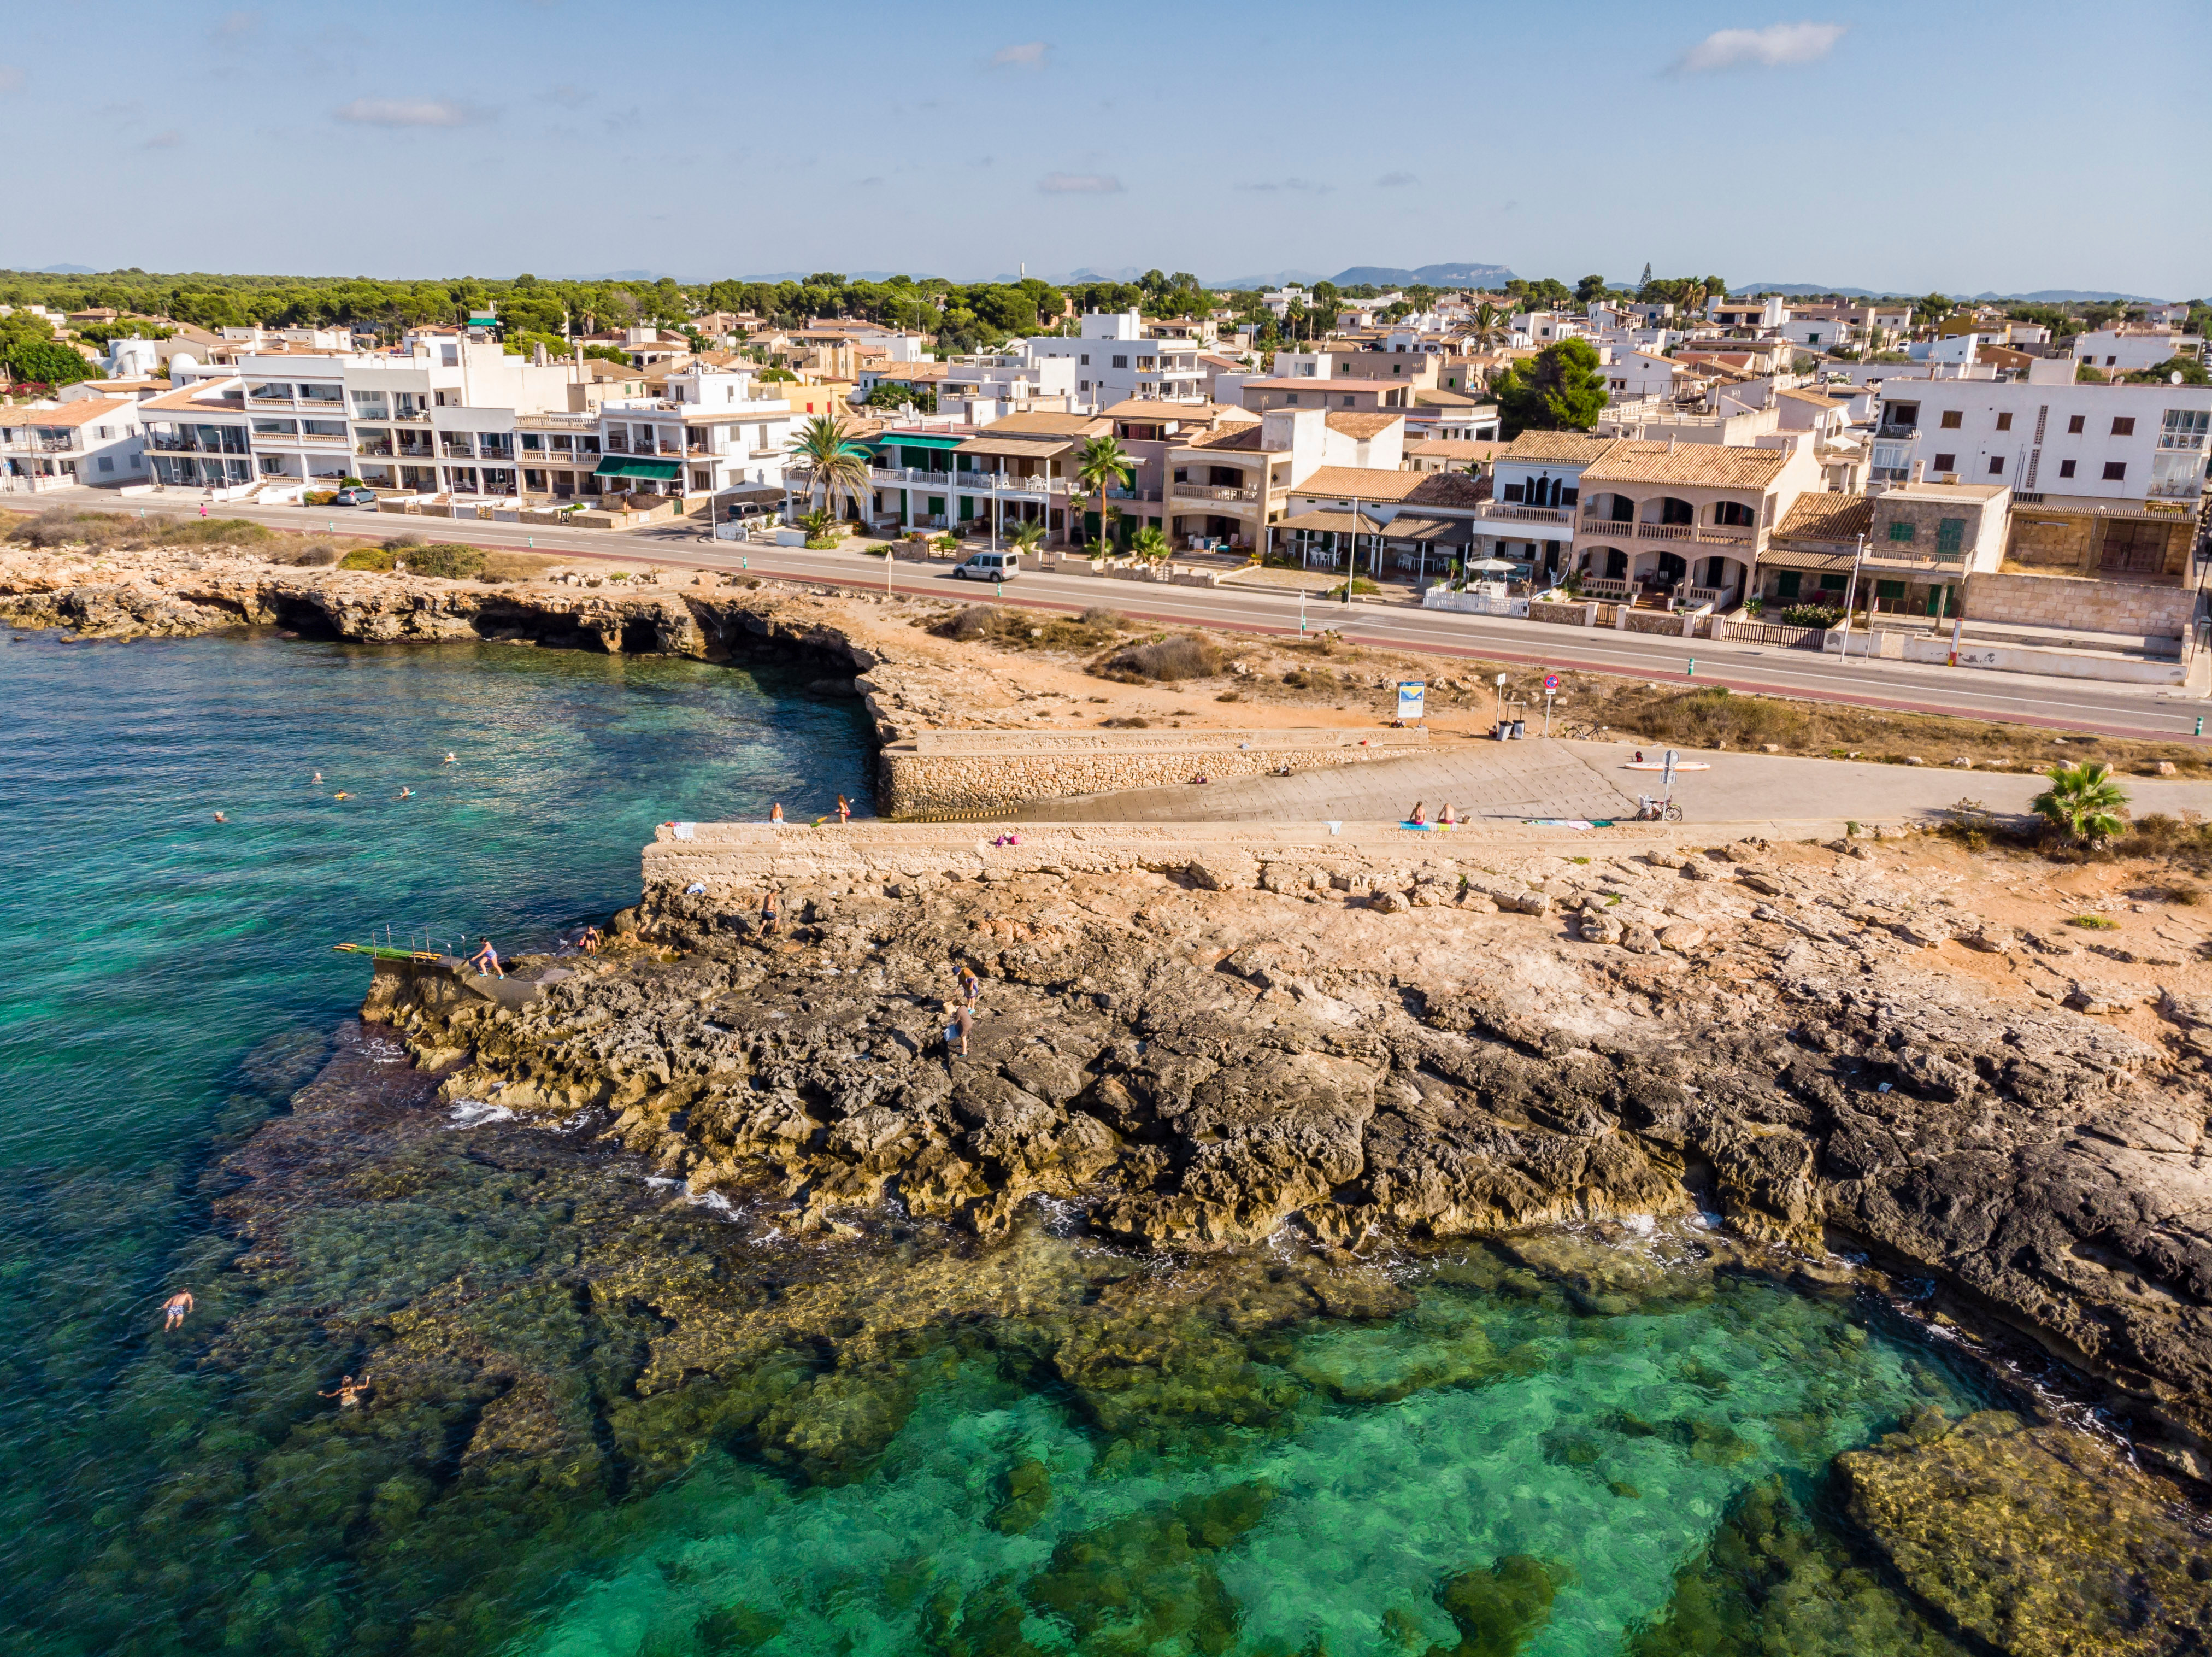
1510	1461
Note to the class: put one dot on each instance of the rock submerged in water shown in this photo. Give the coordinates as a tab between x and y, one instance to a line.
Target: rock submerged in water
1199	1064
2041	1541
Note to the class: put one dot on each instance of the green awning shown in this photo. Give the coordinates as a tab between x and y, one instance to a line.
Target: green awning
621	465
916	440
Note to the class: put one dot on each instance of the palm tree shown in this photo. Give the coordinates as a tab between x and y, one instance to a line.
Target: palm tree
2084	800
1026	536
1149	544
1488	327
833	458
1102	465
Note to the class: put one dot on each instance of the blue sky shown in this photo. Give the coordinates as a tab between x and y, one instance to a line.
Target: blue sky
1898	146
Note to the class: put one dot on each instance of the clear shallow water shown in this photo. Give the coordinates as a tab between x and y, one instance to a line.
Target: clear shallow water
170	979
1515	1461
1611	1449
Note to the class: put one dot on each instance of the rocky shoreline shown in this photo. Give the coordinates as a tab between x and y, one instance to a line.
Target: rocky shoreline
1280	1065
1201	1058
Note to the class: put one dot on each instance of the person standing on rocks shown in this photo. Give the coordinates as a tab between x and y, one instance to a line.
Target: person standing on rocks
771	913
971	987
775	813
844	809
959	1019
486	959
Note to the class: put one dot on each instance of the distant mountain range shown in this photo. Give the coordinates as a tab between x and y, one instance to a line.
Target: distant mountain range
2041	296
1431	275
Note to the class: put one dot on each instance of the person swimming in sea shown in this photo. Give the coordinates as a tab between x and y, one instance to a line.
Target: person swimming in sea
404	794
341	795
348	1392
319	776
175	1308
219	818
452	758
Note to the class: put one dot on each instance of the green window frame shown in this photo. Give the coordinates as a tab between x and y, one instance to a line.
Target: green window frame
1900	532
1950	534
1788	586
1889	590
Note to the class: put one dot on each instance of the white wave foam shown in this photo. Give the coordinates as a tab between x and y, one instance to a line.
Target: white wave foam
474	1113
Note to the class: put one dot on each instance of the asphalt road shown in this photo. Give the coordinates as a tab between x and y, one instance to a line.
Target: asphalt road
2060	704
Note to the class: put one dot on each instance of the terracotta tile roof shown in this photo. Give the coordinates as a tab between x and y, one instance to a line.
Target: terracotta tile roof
1156	408
1453	448
83	412
1437	488
1244	437
187	400
1321	519
1044	424
1558	447
1834	517
909	373
1363	425
1707	466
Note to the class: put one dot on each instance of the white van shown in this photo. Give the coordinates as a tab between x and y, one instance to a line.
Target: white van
989	566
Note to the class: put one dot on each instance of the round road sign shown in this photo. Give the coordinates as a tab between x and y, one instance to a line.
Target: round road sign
1551	681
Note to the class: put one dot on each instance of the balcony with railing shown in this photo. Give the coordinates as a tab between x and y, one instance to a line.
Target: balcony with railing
383	451
190	443
1896	431
1514	512
1184	492
458	448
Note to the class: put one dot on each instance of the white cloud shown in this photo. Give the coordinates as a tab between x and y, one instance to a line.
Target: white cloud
1080	184
11	78
1302	186
169	140
1394	180
407	112
1029	54
1775	46
568	96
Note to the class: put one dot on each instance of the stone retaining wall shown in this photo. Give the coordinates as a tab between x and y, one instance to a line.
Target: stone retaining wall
941	772
2137	609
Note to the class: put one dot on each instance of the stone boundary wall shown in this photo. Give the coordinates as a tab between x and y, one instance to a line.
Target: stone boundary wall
947	771
2134	608
1671	623
1581	613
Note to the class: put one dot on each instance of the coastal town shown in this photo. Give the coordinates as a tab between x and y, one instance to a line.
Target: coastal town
2014	486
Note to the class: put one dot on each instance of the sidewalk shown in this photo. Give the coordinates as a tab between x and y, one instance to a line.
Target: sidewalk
1489	780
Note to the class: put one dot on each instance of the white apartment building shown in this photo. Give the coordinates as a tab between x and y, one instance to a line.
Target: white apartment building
2130	350
1114	361
1755	315
2101	442
1537	329
99	442
985	387
476	423
710	433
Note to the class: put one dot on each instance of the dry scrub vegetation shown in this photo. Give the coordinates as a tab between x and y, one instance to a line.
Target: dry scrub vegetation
115	531
1321	670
